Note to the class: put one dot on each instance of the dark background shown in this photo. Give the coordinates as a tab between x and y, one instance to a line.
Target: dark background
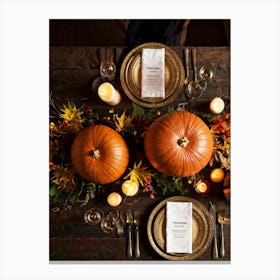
200	32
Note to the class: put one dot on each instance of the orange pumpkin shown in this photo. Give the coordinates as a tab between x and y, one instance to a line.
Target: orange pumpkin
99	154
178	144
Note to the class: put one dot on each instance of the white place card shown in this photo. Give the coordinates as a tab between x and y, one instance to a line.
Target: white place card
153	76
178	227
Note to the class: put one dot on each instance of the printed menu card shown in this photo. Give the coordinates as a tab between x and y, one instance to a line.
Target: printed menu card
178	227
153	76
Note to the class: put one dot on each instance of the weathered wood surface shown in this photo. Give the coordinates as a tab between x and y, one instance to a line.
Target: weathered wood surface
72	239
72	71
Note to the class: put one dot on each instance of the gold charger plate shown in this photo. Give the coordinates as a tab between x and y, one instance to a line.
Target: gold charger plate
202	229
130	76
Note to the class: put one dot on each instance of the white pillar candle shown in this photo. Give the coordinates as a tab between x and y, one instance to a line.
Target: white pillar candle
130	188
114	199
217	105
109	94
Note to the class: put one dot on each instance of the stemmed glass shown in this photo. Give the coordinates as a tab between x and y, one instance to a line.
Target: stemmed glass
107	68
93	216
197	86
109	221
207	72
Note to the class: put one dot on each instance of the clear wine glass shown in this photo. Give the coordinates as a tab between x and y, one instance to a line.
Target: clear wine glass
109	221
197	86
107	66
93	216
207	72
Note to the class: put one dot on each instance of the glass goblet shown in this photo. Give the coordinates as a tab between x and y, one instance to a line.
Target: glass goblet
107	65
93	216
109	223
195	89
107	69
207	72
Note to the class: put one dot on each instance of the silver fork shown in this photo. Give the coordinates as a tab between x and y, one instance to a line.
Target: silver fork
129	222
136	221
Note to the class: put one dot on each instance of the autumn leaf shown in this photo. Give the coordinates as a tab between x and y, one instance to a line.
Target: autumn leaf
63	178
70	113
139	174
124	122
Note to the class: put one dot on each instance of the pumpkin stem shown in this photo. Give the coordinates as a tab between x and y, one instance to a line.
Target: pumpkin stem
95	153
183	142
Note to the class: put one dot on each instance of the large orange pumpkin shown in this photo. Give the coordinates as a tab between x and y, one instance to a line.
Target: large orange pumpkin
178	144
99	154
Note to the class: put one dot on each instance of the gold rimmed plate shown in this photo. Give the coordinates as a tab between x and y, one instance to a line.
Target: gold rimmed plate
130	76
202	229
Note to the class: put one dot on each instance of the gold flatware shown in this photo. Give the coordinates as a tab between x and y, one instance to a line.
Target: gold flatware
136	221
188	79
223	219
129	222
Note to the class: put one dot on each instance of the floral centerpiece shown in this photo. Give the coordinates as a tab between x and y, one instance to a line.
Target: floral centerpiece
67	119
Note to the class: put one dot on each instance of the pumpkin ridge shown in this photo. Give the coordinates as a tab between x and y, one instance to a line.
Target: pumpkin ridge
112	149
164	153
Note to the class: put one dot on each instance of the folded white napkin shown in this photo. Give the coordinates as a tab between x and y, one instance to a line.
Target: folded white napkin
178	227
153	84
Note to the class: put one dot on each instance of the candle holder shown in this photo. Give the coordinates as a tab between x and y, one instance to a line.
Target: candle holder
202	187
131	190
114	199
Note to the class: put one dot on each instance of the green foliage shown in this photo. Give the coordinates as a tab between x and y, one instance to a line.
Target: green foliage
171	184
149	114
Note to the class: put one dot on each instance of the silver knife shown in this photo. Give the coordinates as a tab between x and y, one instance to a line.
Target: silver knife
215	244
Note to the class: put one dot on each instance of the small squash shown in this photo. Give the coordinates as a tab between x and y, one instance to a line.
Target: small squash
226	186
99	154
178	144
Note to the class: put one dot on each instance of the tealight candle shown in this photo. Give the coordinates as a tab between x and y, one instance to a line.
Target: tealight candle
201	187
130	188
217	105
109	94
217	175
114	199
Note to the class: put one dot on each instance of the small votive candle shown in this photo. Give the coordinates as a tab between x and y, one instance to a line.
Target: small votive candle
202	187
130	188
114	199
217	105
109	94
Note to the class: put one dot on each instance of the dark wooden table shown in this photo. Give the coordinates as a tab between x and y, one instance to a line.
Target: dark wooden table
72	71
